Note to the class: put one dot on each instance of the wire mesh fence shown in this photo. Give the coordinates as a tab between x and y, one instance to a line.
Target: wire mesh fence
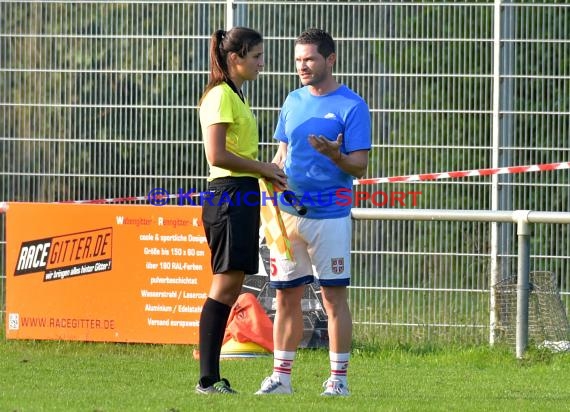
99	100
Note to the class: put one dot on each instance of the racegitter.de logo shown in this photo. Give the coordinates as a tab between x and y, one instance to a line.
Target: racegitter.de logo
65	256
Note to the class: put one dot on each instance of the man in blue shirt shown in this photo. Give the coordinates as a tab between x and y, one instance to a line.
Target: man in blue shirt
324	136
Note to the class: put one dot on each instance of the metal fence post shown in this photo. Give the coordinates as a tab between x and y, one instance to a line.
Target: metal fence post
523	268
230	14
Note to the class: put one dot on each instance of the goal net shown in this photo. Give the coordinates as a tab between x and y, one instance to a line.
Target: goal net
547	320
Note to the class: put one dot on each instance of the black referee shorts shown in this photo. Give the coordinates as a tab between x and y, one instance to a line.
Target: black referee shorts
231	221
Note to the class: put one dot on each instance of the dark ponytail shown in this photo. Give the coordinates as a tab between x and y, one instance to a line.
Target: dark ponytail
238	40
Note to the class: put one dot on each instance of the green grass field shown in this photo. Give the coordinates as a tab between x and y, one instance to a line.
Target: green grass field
105	377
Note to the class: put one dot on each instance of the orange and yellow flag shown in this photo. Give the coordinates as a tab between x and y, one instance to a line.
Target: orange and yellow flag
273	226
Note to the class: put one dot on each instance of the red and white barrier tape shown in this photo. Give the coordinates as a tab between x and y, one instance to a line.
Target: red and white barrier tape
466	173
121	199
545	167
4	205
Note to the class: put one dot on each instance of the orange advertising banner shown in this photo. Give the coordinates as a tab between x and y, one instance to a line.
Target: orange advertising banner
114	273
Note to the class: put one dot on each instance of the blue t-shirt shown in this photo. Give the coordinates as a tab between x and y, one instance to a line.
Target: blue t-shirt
321	186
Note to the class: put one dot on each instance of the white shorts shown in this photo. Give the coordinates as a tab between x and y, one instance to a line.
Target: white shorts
321	248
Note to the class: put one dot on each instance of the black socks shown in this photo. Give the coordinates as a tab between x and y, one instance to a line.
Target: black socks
213	321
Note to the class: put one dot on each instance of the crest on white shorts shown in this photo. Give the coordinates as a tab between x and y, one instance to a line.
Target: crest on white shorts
337	265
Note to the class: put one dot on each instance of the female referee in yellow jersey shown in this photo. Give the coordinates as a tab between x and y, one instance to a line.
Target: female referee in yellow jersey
231	214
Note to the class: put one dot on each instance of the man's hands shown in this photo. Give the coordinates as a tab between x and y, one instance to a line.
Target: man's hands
353	163
329	148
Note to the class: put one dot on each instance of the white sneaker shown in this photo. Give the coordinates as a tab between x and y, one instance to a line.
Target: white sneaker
271	386
334	387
